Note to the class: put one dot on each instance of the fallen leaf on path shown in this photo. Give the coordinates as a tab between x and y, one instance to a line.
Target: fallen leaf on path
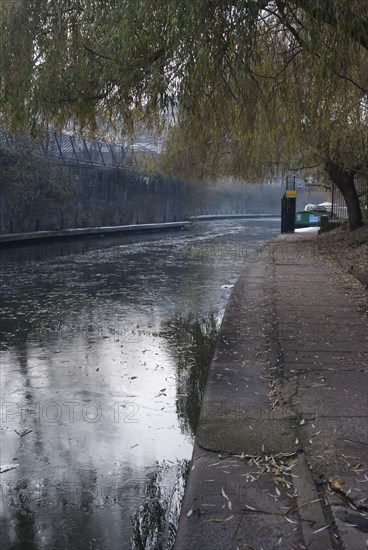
290	520
322	529
220	520
23	432
7	467
335	484
250	508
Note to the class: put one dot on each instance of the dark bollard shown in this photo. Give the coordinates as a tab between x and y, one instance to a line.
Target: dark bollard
288	207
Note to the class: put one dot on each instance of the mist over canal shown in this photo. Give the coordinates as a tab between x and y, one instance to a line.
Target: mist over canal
105	346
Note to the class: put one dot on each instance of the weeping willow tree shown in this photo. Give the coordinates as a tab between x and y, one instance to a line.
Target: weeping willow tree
249	86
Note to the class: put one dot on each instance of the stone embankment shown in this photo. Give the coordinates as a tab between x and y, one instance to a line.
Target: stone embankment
91	232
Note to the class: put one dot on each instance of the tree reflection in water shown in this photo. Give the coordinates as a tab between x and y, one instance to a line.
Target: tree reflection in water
191	341
155	523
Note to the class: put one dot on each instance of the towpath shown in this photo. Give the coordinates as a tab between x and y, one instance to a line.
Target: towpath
280	459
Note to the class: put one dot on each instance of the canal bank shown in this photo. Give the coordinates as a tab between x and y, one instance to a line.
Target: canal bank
210	217
280	458
91	232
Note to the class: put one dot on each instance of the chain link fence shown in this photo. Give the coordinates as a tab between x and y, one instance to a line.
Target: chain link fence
66	148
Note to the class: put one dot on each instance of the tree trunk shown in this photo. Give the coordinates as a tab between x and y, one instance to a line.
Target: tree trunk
344	181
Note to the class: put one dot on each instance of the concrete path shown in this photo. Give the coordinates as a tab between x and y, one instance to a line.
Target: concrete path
280	459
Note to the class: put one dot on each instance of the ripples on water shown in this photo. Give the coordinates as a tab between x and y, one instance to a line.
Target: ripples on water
105	349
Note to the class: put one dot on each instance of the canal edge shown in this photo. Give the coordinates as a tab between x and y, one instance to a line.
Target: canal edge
222	434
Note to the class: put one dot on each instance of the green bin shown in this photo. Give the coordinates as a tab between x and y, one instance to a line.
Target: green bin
306	219
302	219
324	222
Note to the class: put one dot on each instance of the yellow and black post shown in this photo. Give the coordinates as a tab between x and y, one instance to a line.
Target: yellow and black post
288	209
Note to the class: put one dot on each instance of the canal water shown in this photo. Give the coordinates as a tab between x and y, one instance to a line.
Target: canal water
105	346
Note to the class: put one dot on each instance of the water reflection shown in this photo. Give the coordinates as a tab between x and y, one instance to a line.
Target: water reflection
154	524
105	349
192	342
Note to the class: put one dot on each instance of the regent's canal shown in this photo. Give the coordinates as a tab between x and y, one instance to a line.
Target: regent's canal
105	350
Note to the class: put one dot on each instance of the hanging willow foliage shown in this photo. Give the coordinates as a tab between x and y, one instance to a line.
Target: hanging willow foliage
252	85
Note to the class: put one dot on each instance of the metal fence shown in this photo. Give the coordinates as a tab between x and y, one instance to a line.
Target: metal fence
68	149
339	210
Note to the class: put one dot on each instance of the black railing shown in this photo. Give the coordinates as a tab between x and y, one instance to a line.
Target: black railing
339	209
